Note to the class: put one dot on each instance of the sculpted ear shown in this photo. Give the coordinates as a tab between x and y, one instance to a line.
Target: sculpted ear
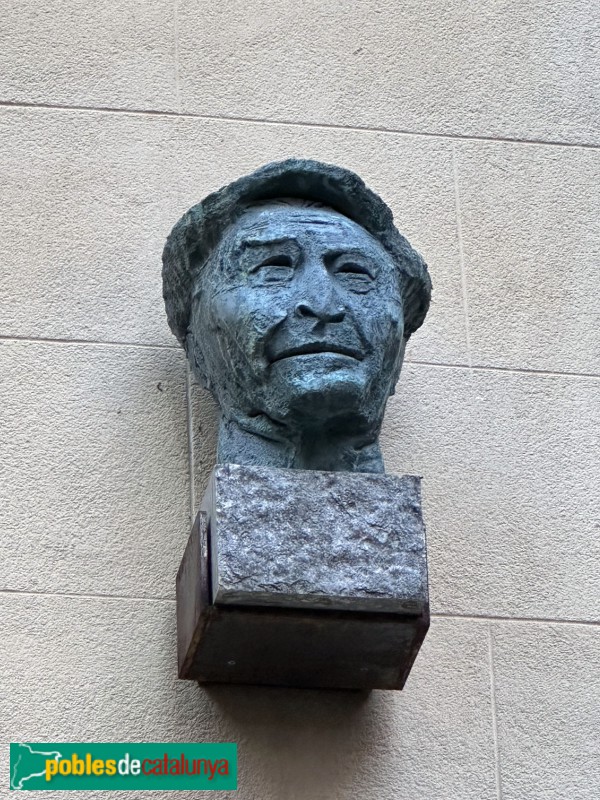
398	364
196	359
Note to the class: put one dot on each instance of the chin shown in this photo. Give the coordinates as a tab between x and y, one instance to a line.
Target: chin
341	397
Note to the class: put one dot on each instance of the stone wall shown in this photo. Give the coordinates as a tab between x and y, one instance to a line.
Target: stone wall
479	123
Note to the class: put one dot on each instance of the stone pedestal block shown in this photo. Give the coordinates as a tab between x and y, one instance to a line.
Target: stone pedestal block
304	578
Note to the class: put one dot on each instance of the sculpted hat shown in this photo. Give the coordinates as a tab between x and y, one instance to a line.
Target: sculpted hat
198	232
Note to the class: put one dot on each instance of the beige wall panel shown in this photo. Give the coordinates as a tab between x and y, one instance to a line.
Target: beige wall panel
518	70
548	710
105	671
510	487
94	474
531	241
109	53
89	198
97	480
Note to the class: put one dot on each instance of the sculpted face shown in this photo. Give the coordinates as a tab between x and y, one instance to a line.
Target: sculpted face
298	320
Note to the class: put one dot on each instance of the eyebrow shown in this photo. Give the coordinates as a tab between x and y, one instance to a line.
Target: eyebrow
257	241
353	250
313	221
330	252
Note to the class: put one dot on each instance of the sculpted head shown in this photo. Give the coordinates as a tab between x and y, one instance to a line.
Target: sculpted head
294	296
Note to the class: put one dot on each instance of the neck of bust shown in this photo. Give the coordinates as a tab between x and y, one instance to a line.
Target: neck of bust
262	442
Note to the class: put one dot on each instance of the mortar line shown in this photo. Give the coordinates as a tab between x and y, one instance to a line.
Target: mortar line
438	615
97	342
515	370
417	362
190	435
494	713
532	620
299	123
88	595
461	255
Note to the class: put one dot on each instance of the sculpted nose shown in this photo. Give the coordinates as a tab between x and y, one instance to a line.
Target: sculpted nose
318	299
322	312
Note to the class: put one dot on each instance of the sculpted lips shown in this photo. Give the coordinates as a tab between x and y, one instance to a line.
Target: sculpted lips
309	348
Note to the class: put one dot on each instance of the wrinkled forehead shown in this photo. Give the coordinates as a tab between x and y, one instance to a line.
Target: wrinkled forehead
302	222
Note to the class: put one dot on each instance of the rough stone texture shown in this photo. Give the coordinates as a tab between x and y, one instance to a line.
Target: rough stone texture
531	244
111	53
520	70
547	710
511	489
307	647
109	674
310	539
94	469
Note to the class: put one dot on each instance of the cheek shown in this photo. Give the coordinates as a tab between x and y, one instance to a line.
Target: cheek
383	324
393	314
244	316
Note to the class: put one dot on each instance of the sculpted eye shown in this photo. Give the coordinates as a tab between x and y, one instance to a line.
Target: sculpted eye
352	268
280	260
275	269
355	275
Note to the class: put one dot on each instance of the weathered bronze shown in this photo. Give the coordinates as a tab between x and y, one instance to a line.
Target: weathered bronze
294	296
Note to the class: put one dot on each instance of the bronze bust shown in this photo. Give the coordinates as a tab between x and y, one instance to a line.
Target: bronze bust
294	295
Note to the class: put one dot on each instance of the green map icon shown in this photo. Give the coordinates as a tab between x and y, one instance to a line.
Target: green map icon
28	765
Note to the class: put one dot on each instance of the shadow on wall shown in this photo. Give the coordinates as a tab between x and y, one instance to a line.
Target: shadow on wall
323	739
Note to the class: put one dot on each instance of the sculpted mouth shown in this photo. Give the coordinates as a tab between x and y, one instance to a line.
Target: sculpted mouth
318	347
